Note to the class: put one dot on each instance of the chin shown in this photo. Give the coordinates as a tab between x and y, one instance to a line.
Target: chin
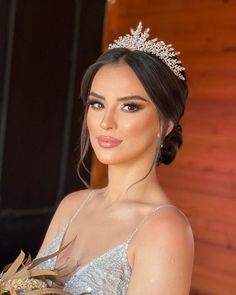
107	156
115	158
107	159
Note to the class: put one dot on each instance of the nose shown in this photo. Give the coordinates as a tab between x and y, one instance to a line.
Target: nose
108	120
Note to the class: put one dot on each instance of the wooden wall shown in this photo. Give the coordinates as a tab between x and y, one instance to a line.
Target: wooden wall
202	180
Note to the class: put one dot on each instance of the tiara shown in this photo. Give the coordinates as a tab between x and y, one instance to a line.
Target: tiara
138	41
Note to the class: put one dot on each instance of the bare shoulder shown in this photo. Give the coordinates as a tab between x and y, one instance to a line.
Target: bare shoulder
167	224
163	254
70	204
65	211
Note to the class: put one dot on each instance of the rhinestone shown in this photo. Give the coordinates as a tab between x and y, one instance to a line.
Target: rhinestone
138	40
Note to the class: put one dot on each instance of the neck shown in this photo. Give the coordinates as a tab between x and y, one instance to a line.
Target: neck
131	184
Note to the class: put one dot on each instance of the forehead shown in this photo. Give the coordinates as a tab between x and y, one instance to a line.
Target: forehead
117	80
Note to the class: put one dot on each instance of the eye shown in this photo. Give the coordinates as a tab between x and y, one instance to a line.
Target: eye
131	107
95	104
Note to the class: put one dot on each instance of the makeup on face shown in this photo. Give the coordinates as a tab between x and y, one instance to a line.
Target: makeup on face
122	120
108	141
131	103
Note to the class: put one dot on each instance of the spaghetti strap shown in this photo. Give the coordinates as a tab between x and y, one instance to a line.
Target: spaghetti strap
147	216
66	226
80	207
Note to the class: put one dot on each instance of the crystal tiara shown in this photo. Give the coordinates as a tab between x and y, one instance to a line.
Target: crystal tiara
138	41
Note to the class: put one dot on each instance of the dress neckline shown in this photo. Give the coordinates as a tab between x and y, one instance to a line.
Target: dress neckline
120	245
93	260
83	266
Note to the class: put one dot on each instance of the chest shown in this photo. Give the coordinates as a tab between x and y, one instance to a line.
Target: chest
106	274
93	235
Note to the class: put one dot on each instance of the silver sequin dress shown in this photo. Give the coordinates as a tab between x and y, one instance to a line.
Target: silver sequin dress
107	274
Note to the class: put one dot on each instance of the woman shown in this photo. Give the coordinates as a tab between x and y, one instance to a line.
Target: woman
127	237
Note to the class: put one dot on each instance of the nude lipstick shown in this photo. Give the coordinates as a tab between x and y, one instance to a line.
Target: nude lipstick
108	141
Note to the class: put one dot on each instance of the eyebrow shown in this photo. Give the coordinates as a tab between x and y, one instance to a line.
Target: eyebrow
120	98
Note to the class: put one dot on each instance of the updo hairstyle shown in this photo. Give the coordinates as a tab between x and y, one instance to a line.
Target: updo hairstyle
165	89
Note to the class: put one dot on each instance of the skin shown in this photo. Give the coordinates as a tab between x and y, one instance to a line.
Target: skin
161	253
112	117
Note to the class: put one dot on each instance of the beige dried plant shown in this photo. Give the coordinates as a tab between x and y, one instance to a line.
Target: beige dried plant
21	277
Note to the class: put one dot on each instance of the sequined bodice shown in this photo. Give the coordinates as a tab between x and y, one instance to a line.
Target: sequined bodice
106	274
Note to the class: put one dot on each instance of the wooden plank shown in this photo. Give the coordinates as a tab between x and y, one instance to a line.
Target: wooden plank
189	25
203	205
207	281
216	258
202	179
197	181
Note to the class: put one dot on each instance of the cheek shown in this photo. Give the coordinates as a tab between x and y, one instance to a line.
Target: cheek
145	125
131	127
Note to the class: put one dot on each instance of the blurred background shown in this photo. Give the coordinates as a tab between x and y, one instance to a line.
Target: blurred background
45	47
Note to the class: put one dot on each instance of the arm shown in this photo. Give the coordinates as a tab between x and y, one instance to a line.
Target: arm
163	255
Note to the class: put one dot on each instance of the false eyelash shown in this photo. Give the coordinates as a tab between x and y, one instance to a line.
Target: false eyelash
91	102
135	105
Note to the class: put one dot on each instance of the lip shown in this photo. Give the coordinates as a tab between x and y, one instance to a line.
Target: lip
108	141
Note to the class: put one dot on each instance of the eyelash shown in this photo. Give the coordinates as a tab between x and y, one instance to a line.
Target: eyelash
92	103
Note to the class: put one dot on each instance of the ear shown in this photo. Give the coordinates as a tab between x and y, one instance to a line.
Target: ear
169	127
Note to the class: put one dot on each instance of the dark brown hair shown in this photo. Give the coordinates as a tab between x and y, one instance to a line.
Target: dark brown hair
165	89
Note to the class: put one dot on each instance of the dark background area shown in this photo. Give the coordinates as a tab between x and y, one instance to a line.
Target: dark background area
45	47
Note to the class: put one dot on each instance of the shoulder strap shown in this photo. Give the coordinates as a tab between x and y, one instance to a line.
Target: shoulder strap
155	209
80	207
66	226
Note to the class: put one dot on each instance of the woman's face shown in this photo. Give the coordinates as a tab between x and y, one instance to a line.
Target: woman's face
122	120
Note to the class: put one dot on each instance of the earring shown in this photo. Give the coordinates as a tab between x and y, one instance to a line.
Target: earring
161	145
